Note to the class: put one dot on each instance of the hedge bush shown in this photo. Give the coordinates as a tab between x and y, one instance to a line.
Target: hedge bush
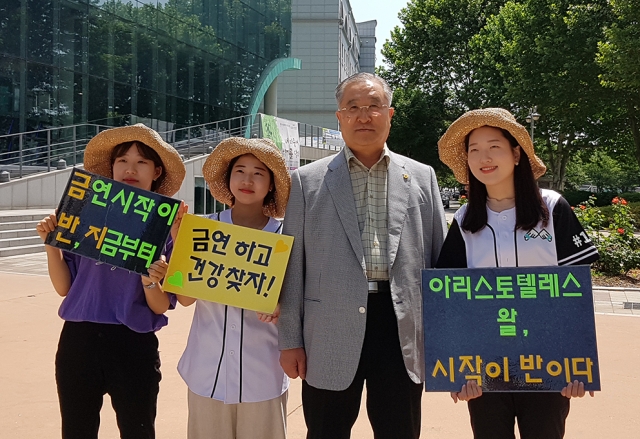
602	199
618	247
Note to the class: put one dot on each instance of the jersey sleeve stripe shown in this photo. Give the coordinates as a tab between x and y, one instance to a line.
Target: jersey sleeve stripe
581	256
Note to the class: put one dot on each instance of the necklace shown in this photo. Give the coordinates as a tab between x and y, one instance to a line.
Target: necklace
500	199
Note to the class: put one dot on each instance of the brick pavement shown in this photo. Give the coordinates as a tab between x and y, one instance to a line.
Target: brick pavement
30	327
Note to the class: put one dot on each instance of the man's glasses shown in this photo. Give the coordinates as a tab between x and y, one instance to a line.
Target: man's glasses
373	110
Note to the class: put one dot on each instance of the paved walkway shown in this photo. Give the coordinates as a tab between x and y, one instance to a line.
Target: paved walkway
29	330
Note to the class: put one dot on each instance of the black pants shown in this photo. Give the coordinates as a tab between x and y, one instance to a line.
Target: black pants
540	415
393	400
94	359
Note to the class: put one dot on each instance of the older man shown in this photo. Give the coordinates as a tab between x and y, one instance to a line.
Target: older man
365	222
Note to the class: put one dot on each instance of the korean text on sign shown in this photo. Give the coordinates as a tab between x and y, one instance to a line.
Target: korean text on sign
228	264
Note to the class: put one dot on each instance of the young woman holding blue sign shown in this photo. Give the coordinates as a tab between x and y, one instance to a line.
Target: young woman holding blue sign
108	342
237	389
525	226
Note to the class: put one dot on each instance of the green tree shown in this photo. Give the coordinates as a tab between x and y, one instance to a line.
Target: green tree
544	52
431	51
429	64
417	122
604	172
619	57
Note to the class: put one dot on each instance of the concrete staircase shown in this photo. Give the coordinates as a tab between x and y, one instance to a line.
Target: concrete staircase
18	231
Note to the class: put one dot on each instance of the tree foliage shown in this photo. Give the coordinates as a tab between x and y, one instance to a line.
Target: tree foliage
544	51
619	57
463	54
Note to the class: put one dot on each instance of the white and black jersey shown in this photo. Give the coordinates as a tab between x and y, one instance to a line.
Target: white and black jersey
562	241
232	356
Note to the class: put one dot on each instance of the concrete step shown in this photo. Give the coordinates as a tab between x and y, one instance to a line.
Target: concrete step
14	216
31	224
22	250
20	242
18	233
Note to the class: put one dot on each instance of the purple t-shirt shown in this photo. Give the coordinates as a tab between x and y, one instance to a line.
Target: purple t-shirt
101	293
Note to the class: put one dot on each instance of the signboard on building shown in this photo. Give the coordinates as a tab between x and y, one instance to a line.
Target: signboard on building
285	134
332	139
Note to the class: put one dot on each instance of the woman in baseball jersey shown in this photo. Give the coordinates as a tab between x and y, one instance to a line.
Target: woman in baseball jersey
524	226
237	388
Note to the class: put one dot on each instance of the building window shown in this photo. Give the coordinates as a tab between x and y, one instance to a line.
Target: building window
204	203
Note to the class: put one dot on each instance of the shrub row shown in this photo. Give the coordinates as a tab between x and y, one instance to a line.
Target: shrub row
602	199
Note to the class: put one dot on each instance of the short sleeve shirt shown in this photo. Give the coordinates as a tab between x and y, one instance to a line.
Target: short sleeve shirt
101	293
562	241
231	356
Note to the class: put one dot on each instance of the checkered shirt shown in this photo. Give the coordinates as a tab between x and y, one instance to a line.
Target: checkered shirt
370	194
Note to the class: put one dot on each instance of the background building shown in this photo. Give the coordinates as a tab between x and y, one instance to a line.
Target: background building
367	35
325	37
169	63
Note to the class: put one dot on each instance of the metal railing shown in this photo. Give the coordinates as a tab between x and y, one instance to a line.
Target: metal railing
37	151
42	150
317	137
200	139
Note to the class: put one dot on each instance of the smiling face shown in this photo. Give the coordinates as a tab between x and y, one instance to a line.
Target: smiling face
365	130
134	169
492	159
249	181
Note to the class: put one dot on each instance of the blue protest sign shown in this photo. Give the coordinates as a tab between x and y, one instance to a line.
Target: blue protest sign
112	222
510	329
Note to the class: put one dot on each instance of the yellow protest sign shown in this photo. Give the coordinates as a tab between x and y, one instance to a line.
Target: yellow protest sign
228	264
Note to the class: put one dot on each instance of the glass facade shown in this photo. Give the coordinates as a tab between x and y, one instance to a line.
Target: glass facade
204	203
179	62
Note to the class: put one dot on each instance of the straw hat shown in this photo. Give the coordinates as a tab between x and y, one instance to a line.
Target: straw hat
97	155
216	168
453	151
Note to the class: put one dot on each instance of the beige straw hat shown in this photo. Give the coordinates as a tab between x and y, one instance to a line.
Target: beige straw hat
453	151
97	155
216	168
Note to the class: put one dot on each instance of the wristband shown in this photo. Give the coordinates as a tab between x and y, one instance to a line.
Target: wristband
150	286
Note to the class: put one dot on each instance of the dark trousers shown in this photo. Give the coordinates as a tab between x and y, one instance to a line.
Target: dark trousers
540	415
393	400
94	359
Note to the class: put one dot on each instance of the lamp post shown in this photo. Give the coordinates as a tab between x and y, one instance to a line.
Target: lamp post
532	118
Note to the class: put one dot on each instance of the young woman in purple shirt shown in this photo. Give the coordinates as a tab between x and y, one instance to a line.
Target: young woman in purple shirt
108	342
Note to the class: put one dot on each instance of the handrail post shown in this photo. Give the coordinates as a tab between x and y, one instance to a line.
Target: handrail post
48	150
189	142
20	153
74	144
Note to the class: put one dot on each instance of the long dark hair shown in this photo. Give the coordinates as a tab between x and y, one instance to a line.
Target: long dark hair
271	195
145	151
530	207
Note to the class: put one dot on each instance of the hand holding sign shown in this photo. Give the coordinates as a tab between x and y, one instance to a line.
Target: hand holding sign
175	227
270	318
575	390
469	391
157	271
46	226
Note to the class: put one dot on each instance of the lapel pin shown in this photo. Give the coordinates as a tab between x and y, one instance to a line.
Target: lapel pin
405	176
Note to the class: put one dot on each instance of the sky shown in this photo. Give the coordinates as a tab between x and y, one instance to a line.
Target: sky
385	12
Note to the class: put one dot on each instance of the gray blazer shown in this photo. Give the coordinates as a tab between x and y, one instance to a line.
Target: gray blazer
324	295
